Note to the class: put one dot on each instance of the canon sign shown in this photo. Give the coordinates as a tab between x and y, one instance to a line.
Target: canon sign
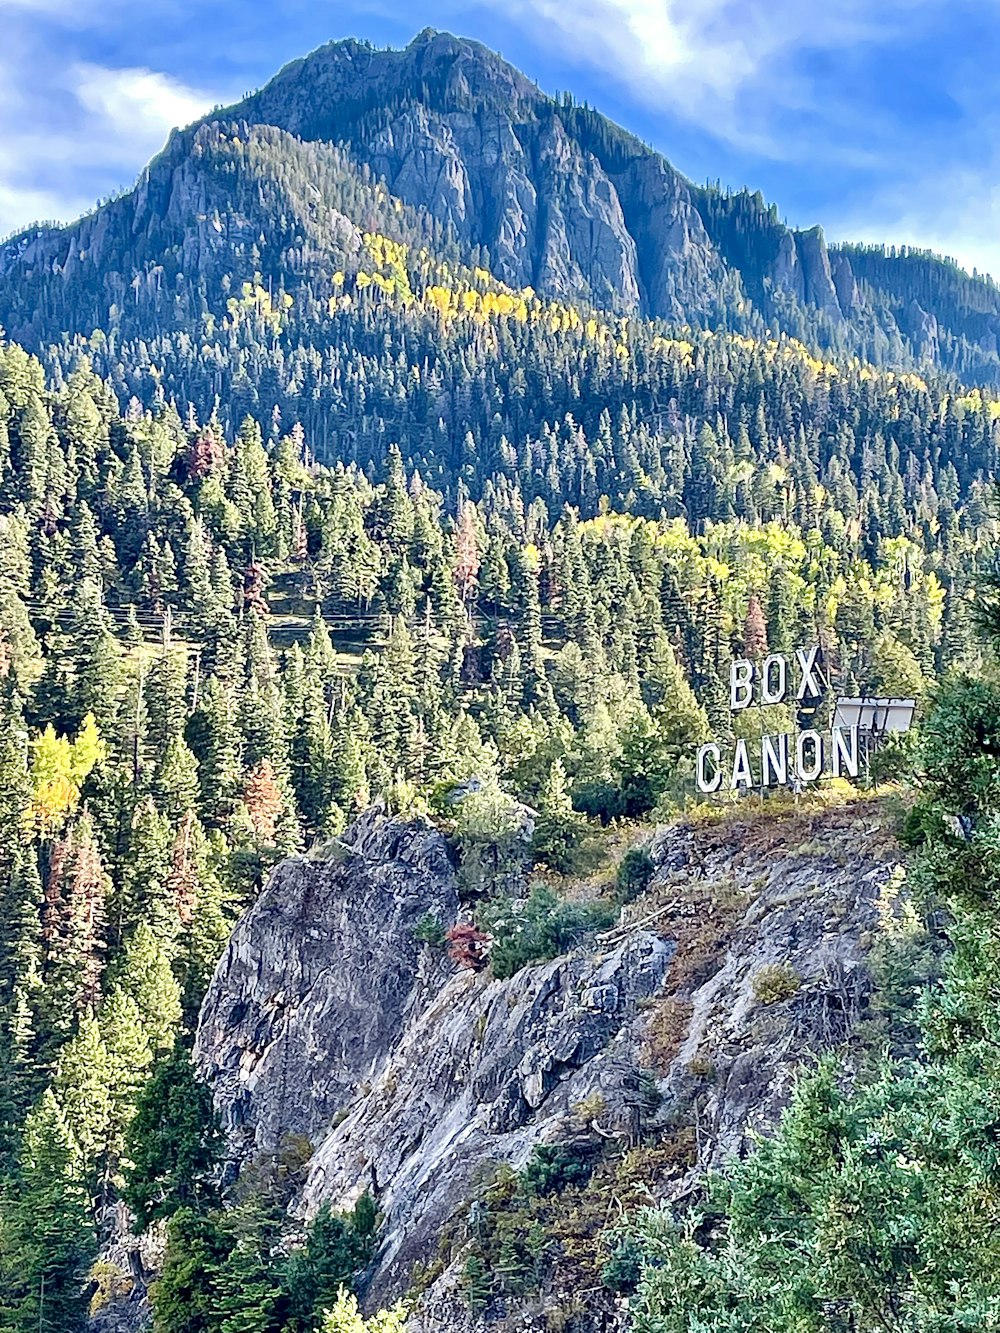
801	757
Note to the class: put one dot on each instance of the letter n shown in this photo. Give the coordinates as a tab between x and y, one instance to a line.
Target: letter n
774	760
846	752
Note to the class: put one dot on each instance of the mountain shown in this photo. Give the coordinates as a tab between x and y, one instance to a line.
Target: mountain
444	146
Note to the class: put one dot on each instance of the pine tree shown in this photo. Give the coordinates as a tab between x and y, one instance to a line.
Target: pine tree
184	1299
46	1240
129	1060
754	630
214	741
75	925
560	833
145	975
144	897
172	1144
175	780
83	1087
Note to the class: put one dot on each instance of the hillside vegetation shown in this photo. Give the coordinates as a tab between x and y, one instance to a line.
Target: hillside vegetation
348	460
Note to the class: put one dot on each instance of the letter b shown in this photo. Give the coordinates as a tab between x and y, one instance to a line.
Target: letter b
740	685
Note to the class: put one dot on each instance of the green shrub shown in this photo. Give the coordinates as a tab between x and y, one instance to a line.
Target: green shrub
775	982
598	798
429	930
562	838
551	1168
623	1270
634	875
540	928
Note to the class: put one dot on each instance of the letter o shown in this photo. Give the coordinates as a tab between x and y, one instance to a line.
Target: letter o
811	772
768	695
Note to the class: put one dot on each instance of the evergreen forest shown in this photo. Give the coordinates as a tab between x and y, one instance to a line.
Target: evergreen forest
341	517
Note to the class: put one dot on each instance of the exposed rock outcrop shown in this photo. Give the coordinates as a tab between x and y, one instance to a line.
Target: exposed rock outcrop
487	1071
327	1018
746	958
320	978
802	897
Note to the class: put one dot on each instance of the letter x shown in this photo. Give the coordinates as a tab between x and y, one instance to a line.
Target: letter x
812	682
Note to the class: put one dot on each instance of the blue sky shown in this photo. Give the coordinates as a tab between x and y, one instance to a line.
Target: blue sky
878	118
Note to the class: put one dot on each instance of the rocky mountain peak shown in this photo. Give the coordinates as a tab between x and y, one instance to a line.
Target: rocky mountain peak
546	194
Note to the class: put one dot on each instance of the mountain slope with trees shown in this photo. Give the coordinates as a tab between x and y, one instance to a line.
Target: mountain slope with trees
309	499
546	194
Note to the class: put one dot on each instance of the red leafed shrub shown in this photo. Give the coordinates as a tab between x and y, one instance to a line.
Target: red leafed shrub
467	946
206	454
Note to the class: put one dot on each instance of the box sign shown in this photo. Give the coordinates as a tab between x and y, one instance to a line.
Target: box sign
796	758
775	679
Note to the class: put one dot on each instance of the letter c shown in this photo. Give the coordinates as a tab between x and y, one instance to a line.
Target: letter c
707	784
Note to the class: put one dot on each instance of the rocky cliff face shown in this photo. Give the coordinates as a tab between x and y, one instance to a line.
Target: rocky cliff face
415	1079
575	215
486	1072
320	978
799	901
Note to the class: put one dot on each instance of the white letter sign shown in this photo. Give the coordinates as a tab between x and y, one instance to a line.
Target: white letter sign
846	758
809	770
740	685
810	683
706	783
774	760
742	772
775	669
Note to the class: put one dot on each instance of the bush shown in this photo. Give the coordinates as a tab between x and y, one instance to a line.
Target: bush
623	1270
893	760
429	930
540	928
665	1031
598	798
634	875
960	744
775	982
467	946
552	1168
562	842
562	837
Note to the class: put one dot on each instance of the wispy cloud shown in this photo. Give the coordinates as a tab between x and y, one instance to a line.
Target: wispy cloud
136	104
731	66
86	125
77	124
958	217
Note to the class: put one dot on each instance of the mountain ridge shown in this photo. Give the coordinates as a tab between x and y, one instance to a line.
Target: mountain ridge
546	194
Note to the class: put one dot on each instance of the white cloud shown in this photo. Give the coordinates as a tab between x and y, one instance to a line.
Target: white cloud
958	217
81	124
728	65
139	105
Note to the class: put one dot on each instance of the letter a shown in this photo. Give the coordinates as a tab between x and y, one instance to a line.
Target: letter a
742	773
